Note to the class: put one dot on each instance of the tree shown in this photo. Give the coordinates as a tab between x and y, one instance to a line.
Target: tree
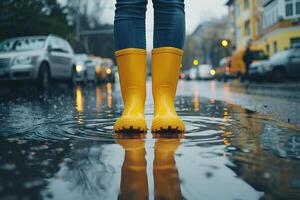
33	17
87	16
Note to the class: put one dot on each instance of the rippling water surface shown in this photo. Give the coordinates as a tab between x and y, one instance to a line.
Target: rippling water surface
59	145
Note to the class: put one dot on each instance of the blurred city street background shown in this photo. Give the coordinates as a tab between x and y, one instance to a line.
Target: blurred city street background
238	94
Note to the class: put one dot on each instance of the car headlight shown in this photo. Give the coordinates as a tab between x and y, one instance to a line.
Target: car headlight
23	60
108	71
79	68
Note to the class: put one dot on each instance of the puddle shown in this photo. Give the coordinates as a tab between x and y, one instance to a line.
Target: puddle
59	145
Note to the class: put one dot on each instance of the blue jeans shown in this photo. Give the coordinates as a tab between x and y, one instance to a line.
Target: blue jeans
169	24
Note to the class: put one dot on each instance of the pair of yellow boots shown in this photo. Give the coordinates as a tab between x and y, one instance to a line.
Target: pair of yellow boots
166	64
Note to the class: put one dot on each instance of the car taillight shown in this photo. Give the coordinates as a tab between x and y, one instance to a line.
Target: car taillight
227	69
182	75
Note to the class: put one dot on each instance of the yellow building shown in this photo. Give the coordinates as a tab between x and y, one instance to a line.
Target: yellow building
245	20
272	25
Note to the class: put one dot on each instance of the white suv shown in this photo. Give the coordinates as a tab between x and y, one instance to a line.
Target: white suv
39	58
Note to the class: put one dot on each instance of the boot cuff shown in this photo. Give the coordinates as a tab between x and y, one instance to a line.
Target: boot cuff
130	51
167	50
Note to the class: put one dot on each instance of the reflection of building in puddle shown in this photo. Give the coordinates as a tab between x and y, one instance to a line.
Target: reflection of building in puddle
226	134
227	91
109	94
98	98
196	98
226	137
254	160
79	104
277	175
196	103
213	87
134	184
80	119
79	99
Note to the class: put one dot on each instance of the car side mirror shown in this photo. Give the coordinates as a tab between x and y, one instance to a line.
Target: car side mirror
51	49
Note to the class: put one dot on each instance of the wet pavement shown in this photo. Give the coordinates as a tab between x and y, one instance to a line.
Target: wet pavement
280	100
58	144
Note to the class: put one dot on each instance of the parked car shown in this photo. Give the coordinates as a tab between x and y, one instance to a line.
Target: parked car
237	68
81	72
85	68
284	64
191	74
223	70
205	72
182	75
258	71
38	58
91	71
104	70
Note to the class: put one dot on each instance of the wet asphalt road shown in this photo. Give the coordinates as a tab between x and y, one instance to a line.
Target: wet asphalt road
58	144
279	100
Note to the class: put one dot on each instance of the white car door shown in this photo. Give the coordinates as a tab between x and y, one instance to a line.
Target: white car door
54	57
68	59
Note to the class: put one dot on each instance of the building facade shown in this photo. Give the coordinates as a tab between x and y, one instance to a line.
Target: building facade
204	44
272	25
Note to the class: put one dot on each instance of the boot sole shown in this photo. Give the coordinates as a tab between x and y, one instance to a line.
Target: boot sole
167	126
130	126
130	130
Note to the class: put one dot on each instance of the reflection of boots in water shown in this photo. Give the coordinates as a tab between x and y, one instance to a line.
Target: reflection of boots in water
166	179
134	183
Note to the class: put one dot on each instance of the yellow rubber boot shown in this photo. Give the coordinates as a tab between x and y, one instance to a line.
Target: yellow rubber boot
132	72
166	64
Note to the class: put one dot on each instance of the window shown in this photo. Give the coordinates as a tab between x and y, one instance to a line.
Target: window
237	9
247	28
295	42
268	48
297	7
246	4
289	7
65	46
292	8
275	46
22	44
270	14
238	35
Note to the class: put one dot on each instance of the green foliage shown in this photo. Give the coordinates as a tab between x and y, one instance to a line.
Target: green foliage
33	17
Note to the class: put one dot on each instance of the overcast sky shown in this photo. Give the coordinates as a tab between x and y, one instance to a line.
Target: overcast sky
196	12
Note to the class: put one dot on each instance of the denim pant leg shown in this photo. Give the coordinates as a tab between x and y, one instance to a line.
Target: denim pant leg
169	23
129	28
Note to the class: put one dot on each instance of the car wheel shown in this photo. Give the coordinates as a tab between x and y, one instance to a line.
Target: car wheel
73	80
279	75
85	79
44	77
